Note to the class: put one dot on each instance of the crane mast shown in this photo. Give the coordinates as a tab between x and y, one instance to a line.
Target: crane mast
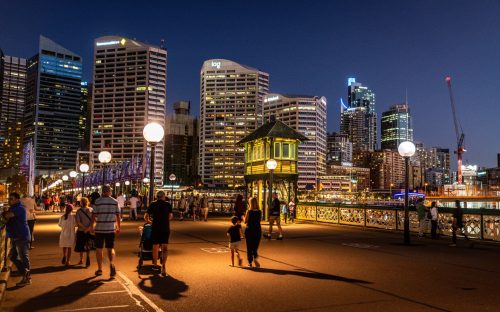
458	132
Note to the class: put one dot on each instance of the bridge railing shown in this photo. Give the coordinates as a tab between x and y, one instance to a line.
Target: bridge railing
478	223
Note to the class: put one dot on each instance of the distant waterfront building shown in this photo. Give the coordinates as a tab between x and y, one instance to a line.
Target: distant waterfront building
305	114
12	105
359	119
387	170
231	98
181	144
396	126
435	164
84	123
53	106
130	80
356	178
339	149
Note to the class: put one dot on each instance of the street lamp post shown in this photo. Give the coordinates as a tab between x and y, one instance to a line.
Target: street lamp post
406	149
84	168
127	183
64	179
153	133
172	178
104	158
271	164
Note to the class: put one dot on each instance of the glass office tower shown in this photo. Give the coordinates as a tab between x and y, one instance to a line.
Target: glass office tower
396	126
53	106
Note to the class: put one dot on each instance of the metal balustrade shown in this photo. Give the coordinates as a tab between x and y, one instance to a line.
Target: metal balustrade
478	223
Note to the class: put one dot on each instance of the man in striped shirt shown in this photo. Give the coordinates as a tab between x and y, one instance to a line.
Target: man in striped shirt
106	225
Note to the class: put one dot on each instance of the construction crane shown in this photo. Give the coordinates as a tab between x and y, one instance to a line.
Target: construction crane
459	134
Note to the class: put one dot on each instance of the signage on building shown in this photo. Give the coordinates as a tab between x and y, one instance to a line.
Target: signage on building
111	42
216	64
271	98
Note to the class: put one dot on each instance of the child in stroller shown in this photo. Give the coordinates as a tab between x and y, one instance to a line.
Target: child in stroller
146	245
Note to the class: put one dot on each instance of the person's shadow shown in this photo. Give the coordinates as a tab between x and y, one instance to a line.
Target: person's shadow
61	295
309	274
167	287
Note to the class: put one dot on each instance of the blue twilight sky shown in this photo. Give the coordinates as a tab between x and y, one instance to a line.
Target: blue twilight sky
307	47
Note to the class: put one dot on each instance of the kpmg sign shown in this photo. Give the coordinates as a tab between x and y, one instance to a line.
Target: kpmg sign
111	42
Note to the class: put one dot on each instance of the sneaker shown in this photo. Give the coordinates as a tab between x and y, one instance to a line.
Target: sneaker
112	270
280	237
250	265
98	272
25	281
267	235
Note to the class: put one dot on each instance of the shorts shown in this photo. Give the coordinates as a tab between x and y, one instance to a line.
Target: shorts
104	240
158	237
235	245
274	218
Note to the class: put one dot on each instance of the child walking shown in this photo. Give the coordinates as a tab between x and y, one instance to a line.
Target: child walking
67	224
235	234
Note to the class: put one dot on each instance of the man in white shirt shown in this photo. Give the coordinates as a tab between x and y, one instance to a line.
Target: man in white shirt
134	202
121	203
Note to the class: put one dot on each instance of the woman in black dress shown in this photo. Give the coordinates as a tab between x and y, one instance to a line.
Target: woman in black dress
253	231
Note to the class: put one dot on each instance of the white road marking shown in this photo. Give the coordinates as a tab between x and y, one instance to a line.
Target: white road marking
107	292
216	250
358	245
97	308
133	290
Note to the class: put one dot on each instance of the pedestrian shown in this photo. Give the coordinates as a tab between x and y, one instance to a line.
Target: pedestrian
191	205
29	204
434	220
46	202
284	212
159	215
67	237
106	225
422	217
19	234
133	202
239	207
93	197
291	209
121	203
55	202
253	231
79	199
84	239
181	206
235	235
196	203
275	217
204	207
458	223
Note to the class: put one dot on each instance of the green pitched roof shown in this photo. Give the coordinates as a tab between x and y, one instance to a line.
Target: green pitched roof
274	129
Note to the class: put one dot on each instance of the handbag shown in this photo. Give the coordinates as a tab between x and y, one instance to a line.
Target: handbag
90	242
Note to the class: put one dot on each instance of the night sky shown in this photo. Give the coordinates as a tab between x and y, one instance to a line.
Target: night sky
307	47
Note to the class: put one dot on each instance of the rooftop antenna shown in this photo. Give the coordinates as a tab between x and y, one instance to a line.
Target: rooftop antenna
162	43
406	96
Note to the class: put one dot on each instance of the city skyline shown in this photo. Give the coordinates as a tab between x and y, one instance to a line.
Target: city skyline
418	47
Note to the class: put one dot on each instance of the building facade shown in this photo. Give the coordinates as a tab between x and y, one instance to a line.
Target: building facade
84	123
231	98
12	105
129	92
358	120
357	178
396	126
181	144
387	170
53	102
305	114
339	149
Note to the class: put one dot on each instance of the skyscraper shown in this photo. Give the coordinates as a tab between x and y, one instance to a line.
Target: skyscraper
181	144
12	105
358	118
231	97
129	91
307	115
53	106
84	124
396	126
339	149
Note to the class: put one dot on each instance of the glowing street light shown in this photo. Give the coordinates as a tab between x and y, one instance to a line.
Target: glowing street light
84	168
406	149
153	133
104	158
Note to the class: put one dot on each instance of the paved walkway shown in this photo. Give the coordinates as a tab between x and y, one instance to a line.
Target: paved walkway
315	268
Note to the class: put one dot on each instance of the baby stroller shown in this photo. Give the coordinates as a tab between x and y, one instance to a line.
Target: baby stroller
146	245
